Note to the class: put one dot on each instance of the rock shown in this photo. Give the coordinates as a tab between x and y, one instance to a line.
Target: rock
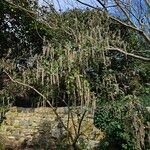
27	126
16	123
11	138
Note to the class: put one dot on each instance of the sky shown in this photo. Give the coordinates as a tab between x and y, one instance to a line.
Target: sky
66	4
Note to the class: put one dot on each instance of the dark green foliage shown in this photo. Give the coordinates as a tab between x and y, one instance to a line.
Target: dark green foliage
20	30
125	123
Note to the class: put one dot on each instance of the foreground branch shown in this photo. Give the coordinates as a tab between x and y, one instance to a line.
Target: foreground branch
128	54
54	110
31	87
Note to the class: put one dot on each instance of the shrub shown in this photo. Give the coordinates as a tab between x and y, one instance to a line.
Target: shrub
125	123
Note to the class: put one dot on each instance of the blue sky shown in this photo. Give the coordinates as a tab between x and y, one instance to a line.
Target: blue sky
66	4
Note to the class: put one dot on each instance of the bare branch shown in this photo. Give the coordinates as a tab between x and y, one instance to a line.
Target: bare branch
147	2
134	28
88	5
101	3
128	54
26	85
79	128
142	33
110	6
125	12
54	110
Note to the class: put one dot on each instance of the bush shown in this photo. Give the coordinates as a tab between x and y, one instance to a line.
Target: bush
125	123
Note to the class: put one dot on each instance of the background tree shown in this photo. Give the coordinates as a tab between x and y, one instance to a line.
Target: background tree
18	23
133	15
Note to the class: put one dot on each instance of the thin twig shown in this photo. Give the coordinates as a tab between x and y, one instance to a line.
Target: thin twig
79	128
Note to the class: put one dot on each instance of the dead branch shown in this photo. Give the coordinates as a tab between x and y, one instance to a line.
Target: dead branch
128	54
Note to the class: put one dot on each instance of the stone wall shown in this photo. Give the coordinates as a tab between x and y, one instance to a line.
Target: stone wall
40	128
